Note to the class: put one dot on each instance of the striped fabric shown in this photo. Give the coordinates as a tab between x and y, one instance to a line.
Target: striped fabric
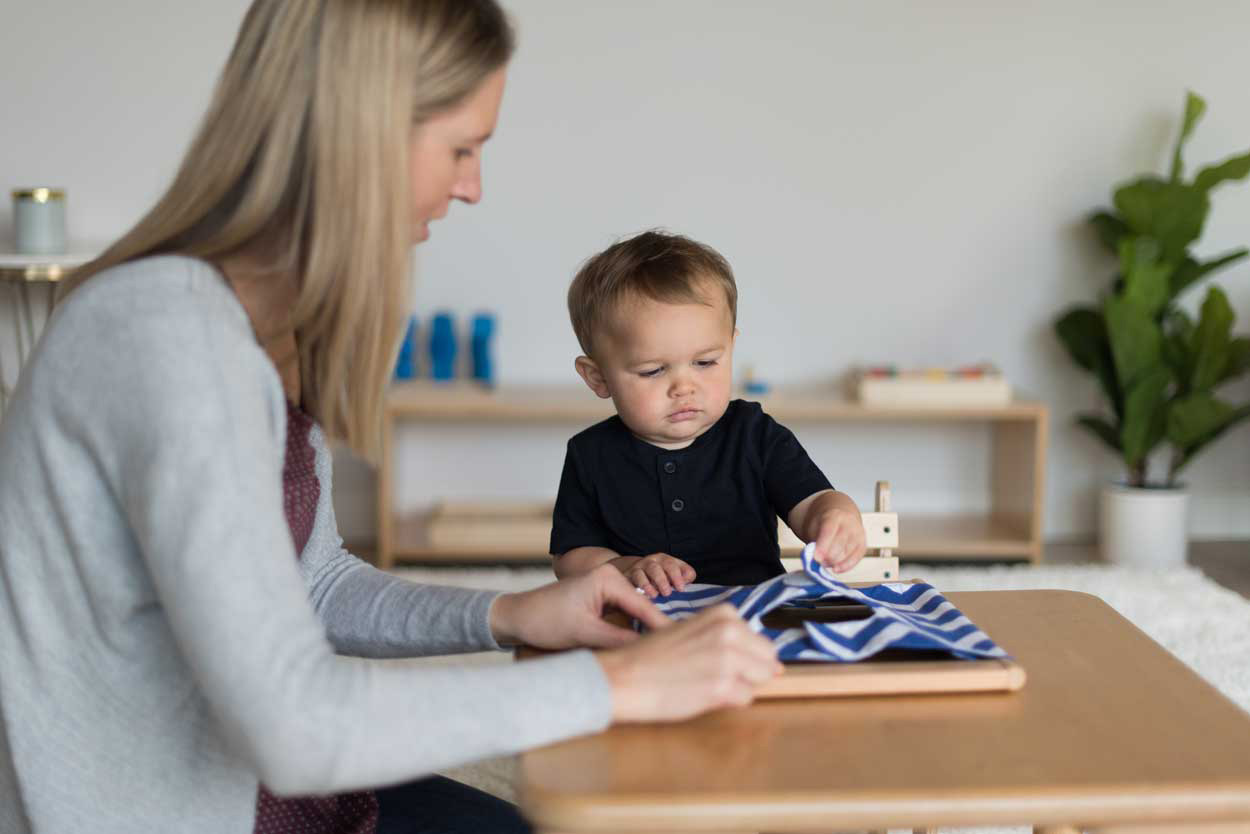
903	616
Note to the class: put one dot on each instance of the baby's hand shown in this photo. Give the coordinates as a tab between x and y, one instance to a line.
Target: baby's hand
840	542
660	574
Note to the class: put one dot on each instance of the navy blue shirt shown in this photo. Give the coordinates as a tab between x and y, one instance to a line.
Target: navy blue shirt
713	504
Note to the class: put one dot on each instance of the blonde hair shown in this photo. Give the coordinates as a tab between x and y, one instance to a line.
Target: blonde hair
302	161
663	267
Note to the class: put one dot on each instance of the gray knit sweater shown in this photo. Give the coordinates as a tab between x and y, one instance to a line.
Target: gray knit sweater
160	650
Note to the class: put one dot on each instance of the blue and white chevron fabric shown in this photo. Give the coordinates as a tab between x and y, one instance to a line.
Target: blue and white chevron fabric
902	616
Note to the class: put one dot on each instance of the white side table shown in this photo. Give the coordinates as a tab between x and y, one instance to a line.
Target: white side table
21	278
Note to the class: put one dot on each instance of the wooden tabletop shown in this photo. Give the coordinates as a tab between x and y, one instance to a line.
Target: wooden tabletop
1110	728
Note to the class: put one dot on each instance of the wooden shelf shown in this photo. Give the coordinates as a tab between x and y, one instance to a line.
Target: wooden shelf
433	401
1010	528
988	536
920	536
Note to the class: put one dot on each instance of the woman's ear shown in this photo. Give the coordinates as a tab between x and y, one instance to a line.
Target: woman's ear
589	371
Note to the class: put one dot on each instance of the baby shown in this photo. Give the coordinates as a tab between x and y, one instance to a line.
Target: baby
683	483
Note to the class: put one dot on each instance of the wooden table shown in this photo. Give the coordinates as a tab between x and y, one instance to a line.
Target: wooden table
1110	730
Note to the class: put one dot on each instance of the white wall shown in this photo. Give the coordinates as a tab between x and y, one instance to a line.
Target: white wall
897	181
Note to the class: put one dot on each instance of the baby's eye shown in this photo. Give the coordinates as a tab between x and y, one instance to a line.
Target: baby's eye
463	153
706	363
650	373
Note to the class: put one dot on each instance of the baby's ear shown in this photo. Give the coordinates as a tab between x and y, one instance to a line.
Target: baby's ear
589	371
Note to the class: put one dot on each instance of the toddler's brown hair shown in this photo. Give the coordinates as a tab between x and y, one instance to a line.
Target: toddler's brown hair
655	264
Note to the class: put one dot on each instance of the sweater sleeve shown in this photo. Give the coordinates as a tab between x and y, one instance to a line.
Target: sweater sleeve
187	417
369	613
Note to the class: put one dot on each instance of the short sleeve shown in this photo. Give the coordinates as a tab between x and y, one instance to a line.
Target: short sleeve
789	474
576	521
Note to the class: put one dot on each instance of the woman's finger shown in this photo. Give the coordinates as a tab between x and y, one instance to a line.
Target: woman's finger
634	604
600	634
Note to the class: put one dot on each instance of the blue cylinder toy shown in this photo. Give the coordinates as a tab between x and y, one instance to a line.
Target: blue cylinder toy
443	347
483	331
406	363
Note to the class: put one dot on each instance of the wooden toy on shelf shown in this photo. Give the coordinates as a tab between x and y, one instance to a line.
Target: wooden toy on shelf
972	385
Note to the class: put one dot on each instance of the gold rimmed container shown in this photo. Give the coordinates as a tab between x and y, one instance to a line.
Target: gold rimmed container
39	220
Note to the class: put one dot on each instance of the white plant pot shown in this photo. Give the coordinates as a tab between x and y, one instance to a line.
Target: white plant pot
1144	528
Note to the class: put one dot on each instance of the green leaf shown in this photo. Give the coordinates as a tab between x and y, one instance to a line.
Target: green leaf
1171	213
1233	168
1191	271
1194	417
1145	278
1238	359
1197	421
1178	335
1194	108
1136	339
1101	429
1083	331
1145	415
1211	338
1110	230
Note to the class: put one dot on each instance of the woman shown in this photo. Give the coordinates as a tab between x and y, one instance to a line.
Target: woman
184	645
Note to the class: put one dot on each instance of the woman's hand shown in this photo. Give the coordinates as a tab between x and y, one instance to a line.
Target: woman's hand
709	661
658	574
569	613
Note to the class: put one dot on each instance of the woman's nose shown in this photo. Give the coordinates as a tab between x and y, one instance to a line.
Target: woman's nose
468	188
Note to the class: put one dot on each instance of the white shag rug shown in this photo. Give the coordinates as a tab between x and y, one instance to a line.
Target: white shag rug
1204	624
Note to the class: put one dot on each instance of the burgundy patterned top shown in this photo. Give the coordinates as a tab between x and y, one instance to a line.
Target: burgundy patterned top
347	813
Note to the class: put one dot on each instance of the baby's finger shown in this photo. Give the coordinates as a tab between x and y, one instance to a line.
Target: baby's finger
851	561
675	575
641	582
837	545
849	557
655	573
825	553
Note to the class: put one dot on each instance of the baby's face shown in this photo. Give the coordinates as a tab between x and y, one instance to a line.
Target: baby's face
669	367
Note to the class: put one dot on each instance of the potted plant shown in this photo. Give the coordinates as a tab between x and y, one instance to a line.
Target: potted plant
1157	366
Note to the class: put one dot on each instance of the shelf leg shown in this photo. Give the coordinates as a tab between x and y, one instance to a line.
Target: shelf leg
1018	482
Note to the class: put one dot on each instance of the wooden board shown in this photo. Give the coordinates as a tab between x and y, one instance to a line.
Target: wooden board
893	677
891	672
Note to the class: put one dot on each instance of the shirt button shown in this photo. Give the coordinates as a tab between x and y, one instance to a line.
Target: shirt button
678	505
670	467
